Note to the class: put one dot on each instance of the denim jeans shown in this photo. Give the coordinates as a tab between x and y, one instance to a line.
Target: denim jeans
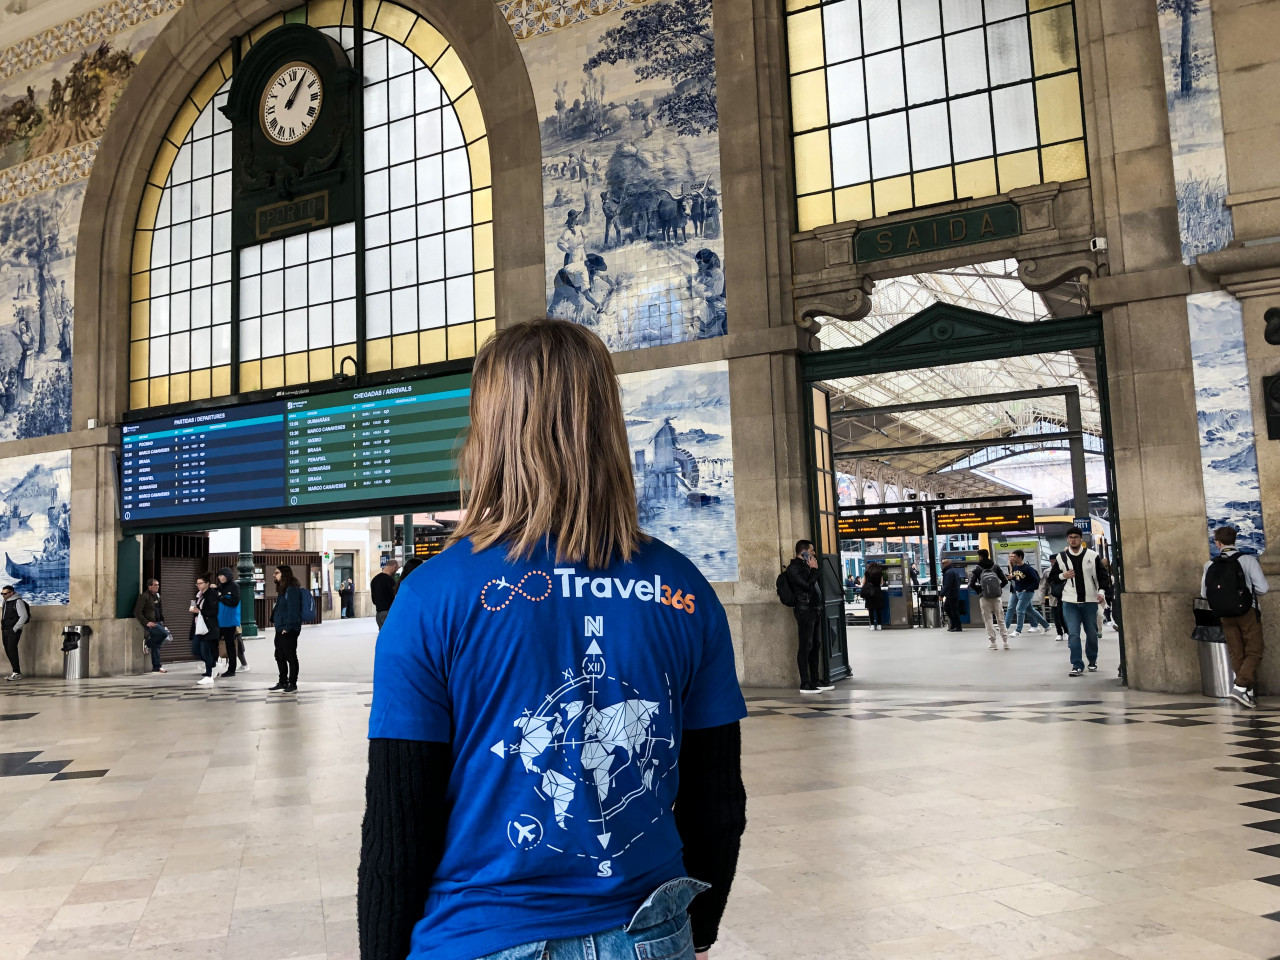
1077	614
659	930
1025	603
155	638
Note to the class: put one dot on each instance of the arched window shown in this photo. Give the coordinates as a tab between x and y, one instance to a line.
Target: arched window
208	323
898	104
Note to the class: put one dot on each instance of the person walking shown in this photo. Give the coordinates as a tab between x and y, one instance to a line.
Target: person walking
1084	581
229	619
382	591
873	594
988	582
344	599
15	615
149	611
204	613
952	584
286	617
553	641
802	576
1024	580
1232	582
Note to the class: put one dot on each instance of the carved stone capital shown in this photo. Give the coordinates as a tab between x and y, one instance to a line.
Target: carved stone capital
1044	273
842	304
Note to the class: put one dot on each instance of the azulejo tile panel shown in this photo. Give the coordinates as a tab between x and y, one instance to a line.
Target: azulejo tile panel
528	18
56	169
632	197
97	25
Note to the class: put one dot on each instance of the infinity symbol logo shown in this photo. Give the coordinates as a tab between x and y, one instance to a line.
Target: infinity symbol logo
501	584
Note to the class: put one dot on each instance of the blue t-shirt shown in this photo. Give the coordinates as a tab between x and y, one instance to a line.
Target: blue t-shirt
564	693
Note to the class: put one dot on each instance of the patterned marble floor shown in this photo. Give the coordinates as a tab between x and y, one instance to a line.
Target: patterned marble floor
146	818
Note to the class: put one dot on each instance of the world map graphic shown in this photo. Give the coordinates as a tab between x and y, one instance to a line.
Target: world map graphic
595	745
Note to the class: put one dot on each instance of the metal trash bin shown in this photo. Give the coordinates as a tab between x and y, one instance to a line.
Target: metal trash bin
1216	675
75	651
930	615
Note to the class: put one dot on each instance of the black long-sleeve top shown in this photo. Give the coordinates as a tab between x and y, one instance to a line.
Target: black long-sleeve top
402	838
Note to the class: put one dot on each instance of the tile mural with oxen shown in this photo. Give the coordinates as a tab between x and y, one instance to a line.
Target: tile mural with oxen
1224	406
35	526
682	461
631	173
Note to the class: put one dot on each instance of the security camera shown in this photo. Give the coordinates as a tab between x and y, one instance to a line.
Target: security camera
1098	244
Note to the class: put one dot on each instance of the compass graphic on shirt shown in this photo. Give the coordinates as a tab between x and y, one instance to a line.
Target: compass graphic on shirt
593	746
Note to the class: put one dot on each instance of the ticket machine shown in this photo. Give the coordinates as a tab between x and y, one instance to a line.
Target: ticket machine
965	560
899	599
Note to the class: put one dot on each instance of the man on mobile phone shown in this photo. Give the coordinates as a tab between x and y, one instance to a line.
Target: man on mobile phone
802	576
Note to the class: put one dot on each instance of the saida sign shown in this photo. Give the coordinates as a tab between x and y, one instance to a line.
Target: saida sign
995	222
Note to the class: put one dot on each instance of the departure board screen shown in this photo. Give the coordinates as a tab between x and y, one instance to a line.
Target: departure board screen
872	525
986	519
303	456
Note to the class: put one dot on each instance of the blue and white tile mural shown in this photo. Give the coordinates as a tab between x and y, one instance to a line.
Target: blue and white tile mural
682	461
631	173
35	526
1228	457
1195	125
37	277
1223	403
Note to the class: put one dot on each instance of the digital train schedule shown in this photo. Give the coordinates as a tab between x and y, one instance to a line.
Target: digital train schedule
295	456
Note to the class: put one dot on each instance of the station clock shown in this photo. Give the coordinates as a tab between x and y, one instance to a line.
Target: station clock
293	114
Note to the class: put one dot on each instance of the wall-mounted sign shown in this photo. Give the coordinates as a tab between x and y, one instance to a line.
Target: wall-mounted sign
986	519
958	229
869	526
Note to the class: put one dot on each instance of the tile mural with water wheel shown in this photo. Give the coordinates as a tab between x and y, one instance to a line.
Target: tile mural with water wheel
1224	407
35	526
631	173
682	461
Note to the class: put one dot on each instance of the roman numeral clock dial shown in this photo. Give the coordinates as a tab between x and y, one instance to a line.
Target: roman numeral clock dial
291	102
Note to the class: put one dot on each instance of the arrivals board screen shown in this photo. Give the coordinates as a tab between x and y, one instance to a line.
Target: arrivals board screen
295	457
986	519
872	525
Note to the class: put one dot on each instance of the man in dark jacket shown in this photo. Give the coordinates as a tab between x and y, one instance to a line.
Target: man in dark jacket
802	574
952	584
149	612
382	591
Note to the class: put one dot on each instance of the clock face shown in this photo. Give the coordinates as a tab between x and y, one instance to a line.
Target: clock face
291	102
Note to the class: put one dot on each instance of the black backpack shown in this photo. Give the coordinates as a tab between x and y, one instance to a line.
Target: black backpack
1226	587
786	592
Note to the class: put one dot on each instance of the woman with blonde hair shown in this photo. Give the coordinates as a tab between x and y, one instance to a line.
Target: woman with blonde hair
554	755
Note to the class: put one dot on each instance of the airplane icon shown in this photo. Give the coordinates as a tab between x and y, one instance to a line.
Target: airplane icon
502	582
525	835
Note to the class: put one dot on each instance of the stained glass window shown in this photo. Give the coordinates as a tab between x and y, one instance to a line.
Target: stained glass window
897	104
301	307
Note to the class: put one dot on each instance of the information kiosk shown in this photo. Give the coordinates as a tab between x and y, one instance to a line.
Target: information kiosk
898	611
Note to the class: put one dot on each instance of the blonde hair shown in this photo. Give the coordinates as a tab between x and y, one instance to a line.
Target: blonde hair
547	453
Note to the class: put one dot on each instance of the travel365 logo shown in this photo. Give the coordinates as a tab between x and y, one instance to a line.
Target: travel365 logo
537	585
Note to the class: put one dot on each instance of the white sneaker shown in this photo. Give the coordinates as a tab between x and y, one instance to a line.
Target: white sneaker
14	676
1006	644
824	687
205	682
993	646
1018	633
244	667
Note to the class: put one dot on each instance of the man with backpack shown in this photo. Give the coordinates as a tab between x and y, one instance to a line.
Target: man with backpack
1232	582
1084	580
798	588
988	582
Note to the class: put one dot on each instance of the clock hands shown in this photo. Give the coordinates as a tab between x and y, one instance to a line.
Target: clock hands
288	104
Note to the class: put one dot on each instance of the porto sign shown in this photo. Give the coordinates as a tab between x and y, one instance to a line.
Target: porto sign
926	234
